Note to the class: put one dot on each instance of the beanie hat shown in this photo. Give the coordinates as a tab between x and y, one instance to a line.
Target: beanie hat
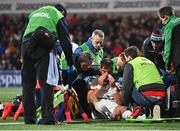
157	35
62	9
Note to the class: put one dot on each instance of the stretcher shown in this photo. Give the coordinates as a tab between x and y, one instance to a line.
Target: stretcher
151	120
63	96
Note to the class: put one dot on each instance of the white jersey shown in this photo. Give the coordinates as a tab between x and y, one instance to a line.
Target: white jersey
107	92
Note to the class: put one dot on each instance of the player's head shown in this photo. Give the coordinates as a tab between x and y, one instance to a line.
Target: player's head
97	38
106	66
164	13
121	61
62	9
131	53
157	38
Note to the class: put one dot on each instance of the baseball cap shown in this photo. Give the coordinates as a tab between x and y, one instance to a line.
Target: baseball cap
157	35
62	9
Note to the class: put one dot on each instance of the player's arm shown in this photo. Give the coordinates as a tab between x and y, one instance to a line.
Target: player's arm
127	85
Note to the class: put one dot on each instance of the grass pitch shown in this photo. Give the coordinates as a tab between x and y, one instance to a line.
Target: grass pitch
6	94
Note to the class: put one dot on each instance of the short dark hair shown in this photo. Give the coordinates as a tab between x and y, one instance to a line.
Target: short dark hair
106	63
166	11
62	9
122	56
132	51
85	57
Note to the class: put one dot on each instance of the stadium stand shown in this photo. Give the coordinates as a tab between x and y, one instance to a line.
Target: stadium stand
120	32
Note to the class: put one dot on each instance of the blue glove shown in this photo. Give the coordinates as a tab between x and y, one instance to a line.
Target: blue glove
70	76
58	48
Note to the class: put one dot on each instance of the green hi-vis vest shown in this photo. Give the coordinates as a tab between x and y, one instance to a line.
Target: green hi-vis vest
173	21
145	72
47	16
114	70
63	63
97	57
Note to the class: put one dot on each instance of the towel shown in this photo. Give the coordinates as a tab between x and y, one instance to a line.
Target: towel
53	73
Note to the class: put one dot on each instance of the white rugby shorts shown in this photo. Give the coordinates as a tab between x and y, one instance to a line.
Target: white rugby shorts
111	105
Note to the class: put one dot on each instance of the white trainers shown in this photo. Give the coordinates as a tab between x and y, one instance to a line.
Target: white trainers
93	116
142	116
156	112
126	114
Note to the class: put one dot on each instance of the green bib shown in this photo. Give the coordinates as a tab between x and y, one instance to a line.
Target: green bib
98	56
145	72
63	63
47	16
114	70
173	21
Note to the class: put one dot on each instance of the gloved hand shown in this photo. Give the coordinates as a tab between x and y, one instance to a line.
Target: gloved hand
70	76
58	48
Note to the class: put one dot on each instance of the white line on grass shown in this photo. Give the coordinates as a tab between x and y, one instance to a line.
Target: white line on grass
11	123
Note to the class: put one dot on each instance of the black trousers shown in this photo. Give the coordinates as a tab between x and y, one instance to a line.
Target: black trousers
174	55
34	68
177	73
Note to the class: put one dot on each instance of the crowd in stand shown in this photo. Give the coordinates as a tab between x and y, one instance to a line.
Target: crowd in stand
10	38
120	32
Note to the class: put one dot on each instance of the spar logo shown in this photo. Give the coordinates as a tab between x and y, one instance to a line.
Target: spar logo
10	78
